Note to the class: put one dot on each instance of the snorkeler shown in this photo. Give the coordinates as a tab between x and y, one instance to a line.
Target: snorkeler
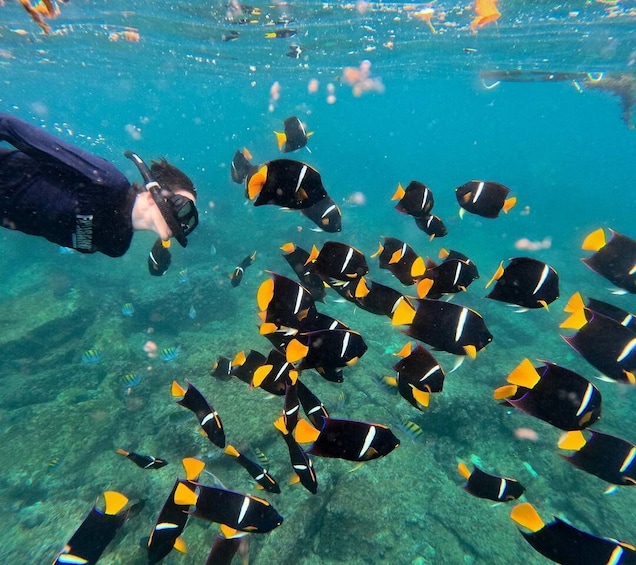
80	201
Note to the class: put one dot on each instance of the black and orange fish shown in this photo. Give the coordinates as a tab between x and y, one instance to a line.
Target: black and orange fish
526	282
376	298
258	472
604	342
493	487
274	374
294	137
297	258
415	200
451	276
241	168
285	302
443	325
418	375
325	214
563	543
401	260
208	418
312	406
281	182
614	259
484	198
325	348
432	225
610	458
301	462
236	276
552	393
338	262
244	366
96	531
347	439
236	510
143	461
172	519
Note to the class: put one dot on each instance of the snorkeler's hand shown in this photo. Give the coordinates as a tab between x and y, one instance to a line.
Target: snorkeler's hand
159	258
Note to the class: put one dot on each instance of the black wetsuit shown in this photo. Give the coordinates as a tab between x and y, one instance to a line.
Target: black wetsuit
52	189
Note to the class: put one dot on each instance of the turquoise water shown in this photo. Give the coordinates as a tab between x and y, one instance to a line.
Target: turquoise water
182	93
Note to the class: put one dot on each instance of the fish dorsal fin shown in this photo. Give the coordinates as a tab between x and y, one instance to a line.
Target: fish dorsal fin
176	389
379	251
423	398
193	467
281	139
183	496
256	182
295	351
114	501
504	392
362	289
418	268
399	192
573	440
463	470
239	359
424	287
261	374
497	275
524	375
288	247
403	315
594	241
575	303
509	204
305	432
265	293
405	351
231	451
180	545
525	515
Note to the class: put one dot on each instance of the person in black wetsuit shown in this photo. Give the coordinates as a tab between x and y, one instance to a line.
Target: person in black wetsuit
75	199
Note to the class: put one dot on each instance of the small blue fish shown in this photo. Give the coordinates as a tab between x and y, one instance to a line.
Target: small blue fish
54	463
411	429
192	313
183	276
169	354
131	380
128	309
91	356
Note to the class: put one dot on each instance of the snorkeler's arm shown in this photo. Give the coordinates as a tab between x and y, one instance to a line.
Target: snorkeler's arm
46	148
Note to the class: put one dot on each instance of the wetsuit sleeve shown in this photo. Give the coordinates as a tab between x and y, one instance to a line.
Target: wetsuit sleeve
48	149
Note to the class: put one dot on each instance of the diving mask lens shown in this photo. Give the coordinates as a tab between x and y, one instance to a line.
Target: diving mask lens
185	213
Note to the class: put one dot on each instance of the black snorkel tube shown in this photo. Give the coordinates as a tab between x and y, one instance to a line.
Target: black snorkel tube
159	258
160	198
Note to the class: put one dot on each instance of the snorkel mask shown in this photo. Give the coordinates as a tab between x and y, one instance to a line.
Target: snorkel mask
179	212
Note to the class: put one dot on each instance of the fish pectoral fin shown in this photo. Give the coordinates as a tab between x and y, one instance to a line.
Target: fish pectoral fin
504	392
